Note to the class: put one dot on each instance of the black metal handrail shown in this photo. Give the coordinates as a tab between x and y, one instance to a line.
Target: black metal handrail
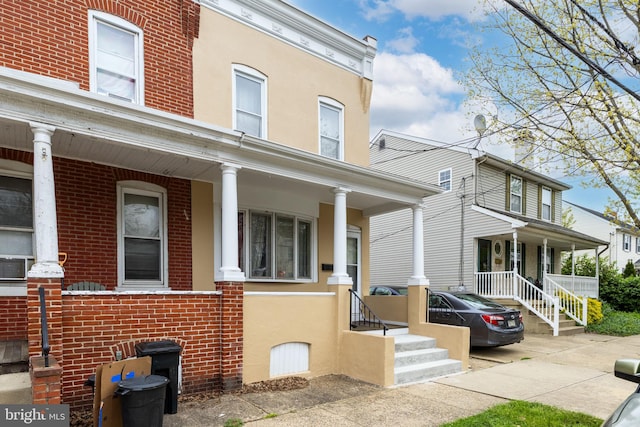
363	316
43	327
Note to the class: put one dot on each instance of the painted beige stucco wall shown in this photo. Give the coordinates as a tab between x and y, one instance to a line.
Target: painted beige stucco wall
295	318
295	81
202	236
388	307
368	357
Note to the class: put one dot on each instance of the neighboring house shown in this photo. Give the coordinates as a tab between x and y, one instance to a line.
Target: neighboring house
493	219
623	240
206	163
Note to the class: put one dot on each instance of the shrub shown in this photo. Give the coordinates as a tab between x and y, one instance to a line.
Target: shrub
629	270
594	311
624	295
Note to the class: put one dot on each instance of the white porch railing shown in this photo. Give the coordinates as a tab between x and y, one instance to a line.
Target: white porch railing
578	285
509	285
573	305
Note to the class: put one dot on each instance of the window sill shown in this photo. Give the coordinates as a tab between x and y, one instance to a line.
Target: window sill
13	290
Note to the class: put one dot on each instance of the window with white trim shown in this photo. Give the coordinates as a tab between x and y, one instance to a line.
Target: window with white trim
516	194
16	227
115	57
444	179
546	203
250	101
626	242
276	246
638	245
331	124
142	235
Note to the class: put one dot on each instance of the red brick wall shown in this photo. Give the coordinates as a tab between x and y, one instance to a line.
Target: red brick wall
93	325
51	38
86	201
13	318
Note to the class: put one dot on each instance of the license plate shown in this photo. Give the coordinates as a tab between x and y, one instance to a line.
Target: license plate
511	323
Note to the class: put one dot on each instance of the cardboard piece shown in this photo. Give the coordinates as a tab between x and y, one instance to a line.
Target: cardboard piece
107	407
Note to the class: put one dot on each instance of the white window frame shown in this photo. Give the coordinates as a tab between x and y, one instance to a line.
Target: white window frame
442	181
324	102
258	77
512	194
96	17
17	286
246	259
626	242
546	191
638	245
152	190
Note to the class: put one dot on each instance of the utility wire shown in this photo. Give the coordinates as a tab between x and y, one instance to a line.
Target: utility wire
591	64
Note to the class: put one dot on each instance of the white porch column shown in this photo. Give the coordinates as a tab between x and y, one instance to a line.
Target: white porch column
230	271
515	262
44	205
417	277
340	276
573	267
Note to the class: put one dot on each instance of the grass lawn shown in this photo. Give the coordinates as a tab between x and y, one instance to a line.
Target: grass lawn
526	414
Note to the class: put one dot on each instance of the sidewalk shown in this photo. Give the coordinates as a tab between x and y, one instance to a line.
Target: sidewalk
574	373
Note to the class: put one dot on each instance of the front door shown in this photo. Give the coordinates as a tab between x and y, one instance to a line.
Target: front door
484	256
353	265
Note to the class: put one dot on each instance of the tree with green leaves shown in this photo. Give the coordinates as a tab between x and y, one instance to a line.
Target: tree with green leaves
568	80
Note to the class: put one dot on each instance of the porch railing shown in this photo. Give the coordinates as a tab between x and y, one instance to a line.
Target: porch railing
578	285
513	286
573	305
362	315
44	328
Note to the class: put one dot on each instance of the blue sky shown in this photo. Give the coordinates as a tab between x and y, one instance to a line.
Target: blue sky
422	49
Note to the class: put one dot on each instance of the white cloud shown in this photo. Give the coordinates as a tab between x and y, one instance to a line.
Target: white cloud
380	10
405	42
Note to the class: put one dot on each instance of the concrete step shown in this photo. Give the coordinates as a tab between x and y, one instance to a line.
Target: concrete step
15	389
417	358
413	342
426	371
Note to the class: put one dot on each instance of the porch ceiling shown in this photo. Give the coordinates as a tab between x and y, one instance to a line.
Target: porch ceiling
534	231
97	129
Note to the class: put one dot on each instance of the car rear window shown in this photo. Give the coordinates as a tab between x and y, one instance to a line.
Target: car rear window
477	301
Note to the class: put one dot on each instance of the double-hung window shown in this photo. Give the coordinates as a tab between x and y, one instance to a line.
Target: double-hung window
115	57
331	124
277	246
626	242
16	227
546	203
444	179
250	101
638	245
515	194
142	231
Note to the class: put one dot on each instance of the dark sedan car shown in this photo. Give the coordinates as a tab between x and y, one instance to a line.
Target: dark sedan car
491	324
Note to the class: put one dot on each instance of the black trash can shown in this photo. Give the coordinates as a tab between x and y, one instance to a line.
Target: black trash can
165	358
142	400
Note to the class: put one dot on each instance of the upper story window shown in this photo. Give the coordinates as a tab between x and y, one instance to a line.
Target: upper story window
277	246
626	242
638	245
142	231
444	179
250	101
516	194
115	57
331	122
16	227
545	201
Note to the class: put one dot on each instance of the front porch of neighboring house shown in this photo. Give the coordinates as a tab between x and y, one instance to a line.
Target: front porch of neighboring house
534	281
